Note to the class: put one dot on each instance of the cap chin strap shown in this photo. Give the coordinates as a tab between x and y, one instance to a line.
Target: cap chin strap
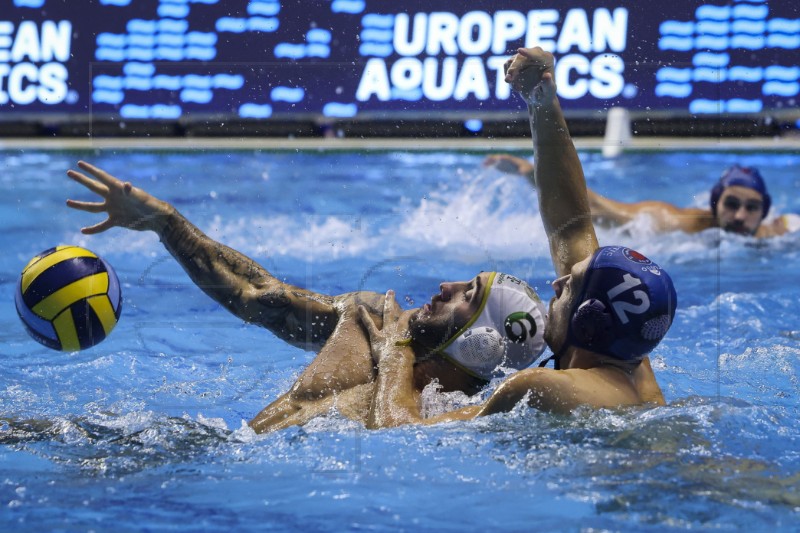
480	346
487	288
556	358
551	358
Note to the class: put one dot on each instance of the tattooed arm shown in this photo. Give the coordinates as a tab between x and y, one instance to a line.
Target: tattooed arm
238	283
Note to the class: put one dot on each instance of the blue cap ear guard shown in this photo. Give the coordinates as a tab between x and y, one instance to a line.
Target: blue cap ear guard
748	177
625	307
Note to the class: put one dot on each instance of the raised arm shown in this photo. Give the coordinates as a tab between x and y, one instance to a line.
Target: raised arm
239	284
563	201
511	164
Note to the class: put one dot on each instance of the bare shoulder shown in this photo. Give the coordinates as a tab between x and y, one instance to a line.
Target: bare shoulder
781	225
544	389
561	391
646	384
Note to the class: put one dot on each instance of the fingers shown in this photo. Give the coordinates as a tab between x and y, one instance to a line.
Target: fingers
548	82
103	176
89	207
366	319
537	55
388	305
97	228
507	65
510	72
526	58
100	186
89	183
546	89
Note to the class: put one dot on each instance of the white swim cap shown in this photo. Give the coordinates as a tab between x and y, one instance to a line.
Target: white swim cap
507	330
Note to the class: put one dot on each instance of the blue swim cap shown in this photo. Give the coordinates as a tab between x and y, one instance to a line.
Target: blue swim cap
625	307
748	177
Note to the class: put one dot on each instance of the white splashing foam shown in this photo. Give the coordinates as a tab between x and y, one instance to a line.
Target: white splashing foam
486	216
483	218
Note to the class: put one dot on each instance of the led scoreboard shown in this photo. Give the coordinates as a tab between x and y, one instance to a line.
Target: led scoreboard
173	59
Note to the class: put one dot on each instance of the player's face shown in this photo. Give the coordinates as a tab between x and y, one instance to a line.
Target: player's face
567	289
436	322
740	210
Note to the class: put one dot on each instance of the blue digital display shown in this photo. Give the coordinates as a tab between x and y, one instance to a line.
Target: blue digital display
177	59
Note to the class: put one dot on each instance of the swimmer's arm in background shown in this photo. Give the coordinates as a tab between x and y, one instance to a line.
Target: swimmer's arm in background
604	211
788	223
511	164
664	216
235	281
563	201
610	213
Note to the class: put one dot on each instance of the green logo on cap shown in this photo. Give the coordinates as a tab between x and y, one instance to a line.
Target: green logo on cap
520	326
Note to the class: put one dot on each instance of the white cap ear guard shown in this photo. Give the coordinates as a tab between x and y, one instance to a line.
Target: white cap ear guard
506	331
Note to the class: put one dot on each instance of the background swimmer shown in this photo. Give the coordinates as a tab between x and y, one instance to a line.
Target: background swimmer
739	203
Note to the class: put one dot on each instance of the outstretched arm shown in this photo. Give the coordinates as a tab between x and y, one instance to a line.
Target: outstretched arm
664	216
604	210
563	201
239	284
607	212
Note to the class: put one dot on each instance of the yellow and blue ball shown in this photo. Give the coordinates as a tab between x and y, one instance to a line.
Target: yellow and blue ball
68	298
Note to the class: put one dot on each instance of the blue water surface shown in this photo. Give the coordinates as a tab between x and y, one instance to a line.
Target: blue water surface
146	431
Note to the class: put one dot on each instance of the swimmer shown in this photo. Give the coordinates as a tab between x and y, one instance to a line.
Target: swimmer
739	203
612	305
460	338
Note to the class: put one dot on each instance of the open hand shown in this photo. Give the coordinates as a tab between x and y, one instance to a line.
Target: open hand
126	205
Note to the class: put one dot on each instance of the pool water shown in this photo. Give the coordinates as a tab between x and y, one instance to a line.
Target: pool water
146	431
